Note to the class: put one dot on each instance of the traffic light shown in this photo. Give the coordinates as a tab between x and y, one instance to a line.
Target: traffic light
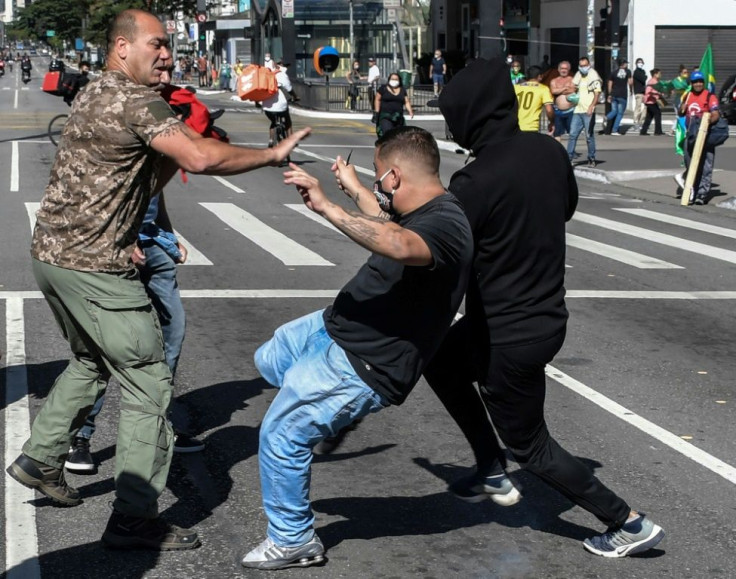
202	35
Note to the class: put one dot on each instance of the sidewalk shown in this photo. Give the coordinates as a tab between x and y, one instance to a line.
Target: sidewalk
644	165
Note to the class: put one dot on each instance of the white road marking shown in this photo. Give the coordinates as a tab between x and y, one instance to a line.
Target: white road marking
228	184
32	209
15	100
304	210
330	160
283	248
680	221
296	293
14	170
619	254
657	432
669	240
194	256
21	540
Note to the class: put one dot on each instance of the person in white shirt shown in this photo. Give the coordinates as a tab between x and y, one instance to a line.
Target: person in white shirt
268	63
374	78
277	106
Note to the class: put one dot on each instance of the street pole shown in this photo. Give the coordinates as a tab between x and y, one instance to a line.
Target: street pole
352	53
590	33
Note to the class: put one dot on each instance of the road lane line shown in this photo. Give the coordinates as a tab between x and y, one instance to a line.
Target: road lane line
21	540
32	209
326	293
283	248
689	223
305	211
632	258
15	101
657	432
194	256
669	240
228	184
14	171
330	160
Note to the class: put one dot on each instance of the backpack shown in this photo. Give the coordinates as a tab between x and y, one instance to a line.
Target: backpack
194	113
257	83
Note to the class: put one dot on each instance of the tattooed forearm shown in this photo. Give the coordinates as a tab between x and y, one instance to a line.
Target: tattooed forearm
172	130
359	215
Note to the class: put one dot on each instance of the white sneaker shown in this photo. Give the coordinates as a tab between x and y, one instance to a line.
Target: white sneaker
679	179
269	555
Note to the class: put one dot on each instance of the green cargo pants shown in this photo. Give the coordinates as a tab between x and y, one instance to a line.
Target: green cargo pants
112	328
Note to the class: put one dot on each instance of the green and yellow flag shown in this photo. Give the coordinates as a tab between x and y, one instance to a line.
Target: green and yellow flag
706	67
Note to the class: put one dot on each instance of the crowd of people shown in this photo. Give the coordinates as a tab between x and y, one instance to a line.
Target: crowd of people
493	238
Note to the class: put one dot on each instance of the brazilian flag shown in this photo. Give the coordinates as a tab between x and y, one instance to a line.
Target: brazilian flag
706	67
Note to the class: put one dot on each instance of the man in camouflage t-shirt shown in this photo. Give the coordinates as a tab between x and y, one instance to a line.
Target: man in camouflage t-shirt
121	144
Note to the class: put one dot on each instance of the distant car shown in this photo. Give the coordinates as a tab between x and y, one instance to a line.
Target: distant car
44	51
727	99
56	64
33	52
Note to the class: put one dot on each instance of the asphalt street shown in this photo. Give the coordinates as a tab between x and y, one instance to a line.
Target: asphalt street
642	392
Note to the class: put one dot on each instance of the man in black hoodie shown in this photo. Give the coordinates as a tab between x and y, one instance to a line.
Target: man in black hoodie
516	317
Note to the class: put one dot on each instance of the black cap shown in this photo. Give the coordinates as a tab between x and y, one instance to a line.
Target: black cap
622	61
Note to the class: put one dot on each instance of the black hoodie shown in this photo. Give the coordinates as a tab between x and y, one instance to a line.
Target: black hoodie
517	193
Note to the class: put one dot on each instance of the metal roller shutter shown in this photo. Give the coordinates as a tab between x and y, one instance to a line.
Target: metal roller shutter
675	45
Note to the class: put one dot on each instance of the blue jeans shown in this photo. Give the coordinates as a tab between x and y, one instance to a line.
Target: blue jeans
320	394
159	278
580	123
618	108
563	121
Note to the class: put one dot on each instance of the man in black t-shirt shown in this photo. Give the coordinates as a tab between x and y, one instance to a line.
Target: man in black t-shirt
619	87
639	78
368	349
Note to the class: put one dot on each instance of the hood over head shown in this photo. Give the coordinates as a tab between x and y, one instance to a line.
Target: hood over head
479	104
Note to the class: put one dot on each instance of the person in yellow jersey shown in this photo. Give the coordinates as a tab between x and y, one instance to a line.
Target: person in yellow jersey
533	96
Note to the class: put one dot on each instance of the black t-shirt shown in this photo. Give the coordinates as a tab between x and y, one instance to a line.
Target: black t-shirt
620	83
640	81
390	102
391	318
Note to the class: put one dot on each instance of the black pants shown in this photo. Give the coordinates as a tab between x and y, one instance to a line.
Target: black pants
653	112
513	391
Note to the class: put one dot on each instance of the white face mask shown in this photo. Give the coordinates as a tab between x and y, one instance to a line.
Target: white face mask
268	58
639	65
393	83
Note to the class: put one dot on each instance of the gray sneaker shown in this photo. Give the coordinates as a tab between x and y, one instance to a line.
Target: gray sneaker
269	555
475	488
633	537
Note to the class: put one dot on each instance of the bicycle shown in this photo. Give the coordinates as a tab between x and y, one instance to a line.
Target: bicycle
280	133
56	125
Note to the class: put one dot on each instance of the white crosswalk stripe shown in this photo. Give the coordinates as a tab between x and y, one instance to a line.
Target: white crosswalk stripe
626	256
283	248
194	256
656	237
680	221
304	210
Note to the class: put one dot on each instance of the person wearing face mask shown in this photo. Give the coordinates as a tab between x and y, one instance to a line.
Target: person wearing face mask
367	350
391	99
437	72
268	62
517	75
589	84
640	86
354	78
76	82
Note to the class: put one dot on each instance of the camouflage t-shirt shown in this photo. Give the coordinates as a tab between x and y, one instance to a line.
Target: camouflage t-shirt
103	176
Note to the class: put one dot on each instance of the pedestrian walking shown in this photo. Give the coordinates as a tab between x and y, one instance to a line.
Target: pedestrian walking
368	349
391	99
120	144
639	77
354	79
588	84
374	80
515	314
437	72
620	85
652	98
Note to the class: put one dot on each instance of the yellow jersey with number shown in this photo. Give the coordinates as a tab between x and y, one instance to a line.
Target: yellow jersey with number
532	97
